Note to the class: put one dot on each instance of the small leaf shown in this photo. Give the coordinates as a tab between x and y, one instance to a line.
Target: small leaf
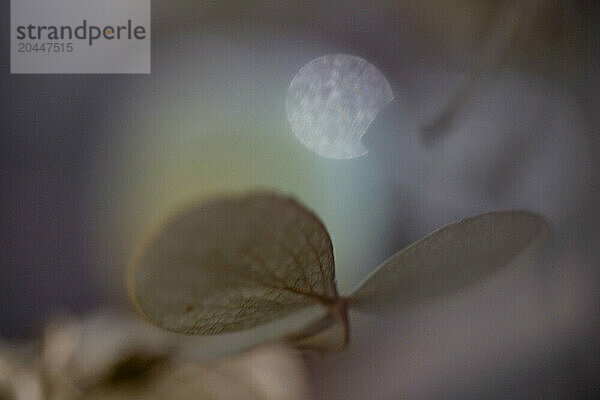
448	259
239	263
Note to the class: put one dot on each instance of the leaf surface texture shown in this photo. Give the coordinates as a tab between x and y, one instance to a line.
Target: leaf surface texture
449	259
233	264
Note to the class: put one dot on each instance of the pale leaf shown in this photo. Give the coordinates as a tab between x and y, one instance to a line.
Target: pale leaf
328	335
238	263
450	258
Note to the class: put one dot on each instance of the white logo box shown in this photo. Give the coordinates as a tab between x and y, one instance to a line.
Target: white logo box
80	36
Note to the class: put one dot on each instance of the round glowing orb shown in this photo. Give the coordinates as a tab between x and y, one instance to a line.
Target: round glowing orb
332	101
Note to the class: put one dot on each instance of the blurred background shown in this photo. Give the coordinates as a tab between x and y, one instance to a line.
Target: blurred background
496	107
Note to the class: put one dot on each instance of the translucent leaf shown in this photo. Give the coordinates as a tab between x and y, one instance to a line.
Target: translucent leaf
260	268
293	329
239	263
450	258
327	335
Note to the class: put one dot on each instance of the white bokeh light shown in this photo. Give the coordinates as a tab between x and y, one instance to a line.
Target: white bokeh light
332	101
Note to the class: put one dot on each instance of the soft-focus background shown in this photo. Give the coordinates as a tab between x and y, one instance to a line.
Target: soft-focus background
496	106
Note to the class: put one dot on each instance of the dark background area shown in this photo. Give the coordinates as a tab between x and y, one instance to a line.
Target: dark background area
50	127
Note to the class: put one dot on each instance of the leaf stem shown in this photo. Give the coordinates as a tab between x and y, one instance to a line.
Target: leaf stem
339	309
